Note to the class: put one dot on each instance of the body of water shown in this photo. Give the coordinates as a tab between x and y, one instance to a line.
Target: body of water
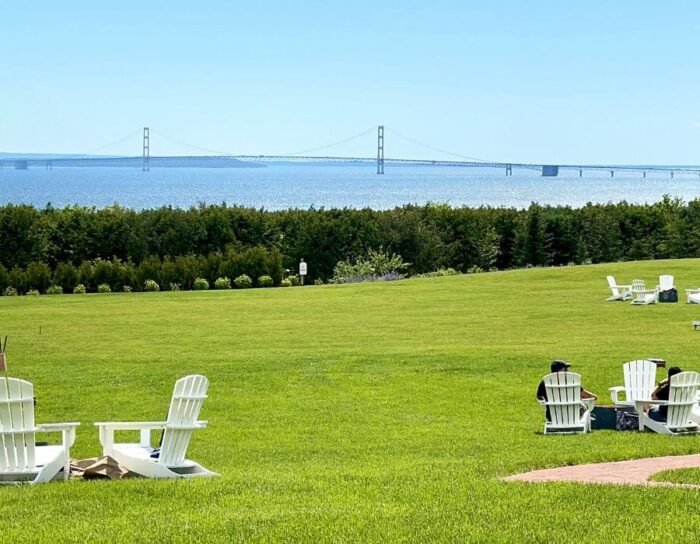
358	186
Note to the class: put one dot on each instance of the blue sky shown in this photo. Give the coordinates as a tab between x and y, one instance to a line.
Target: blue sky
586	81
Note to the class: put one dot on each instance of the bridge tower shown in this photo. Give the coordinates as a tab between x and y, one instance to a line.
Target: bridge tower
146	149
380	149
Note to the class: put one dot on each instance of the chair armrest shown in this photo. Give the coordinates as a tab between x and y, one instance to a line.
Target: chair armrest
615	393
55	427
132	425
145	427
588	404
692	290
67	429
640	404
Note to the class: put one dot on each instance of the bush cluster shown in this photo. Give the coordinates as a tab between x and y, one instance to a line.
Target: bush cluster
111	275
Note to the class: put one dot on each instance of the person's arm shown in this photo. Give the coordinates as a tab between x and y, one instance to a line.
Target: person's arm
587	394
541	392
655	392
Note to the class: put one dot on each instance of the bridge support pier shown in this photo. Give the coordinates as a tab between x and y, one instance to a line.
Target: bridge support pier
612	173
509	169
146	167
644	174
580	172
672	172
380	149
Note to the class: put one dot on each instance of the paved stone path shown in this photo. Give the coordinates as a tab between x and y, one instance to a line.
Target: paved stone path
635	472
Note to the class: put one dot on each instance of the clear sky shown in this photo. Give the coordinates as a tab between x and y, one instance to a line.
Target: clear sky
541	81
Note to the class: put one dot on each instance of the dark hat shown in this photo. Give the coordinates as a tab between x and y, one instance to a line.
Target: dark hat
559	364
673	371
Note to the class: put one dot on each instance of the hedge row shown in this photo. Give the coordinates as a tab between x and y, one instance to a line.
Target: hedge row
427	237
261	266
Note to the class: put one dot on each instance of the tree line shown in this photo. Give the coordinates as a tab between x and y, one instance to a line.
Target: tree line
176	245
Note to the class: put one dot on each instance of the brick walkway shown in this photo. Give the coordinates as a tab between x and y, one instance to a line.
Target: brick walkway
635	472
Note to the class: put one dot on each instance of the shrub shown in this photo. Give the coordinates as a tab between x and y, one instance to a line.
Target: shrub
54	290
127	288
38	276
286	282
371	266
104	288
151	286
318	281
174	286
293	280
79	289
474	270
243	282
9	292
66	275
200	284
266	281
32	293
222	283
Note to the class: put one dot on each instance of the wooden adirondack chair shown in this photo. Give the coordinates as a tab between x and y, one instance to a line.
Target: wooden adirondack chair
640	381
665	282
692	296
619	292
682	399
640	294
568	413
188	397
21	460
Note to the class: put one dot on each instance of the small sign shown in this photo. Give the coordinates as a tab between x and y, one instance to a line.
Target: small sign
302	268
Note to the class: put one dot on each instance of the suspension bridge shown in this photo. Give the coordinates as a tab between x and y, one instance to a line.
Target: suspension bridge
222	159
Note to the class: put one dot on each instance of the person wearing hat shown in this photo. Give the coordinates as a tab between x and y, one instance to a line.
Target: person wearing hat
560	365
660	413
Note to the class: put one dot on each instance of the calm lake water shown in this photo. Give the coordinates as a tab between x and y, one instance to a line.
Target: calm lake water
301	186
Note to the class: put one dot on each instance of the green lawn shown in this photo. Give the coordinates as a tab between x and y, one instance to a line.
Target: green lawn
679	476
366	413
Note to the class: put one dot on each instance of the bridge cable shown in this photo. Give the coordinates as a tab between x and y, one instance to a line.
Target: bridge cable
433	148
193	146
111	144
339	142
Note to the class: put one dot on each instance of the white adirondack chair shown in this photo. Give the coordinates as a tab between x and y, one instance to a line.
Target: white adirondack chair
568	413
692	296
619	292
188	397
21	460
641	295
665	282
682	399
640	381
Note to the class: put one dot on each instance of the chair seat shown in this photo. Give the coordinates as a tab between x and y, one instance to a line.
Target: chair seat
694	298
137	451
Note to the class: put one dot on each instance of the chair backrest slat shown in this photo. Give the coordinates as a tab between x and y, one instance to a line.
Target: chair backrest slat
563	398
17	429
638	290
640	379
681	399
665	282
188	396
613	286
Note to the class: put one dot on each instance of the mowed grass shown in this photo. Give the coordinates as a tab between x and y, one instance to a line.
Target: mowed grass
679	476
373	412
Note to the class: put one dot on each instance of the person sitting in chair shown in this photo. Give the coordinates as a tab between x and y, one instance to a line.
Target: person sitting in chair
660	413
560	366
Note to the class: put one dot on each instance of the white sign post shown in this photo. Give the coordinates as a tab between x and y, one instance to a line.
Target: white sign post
302	271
